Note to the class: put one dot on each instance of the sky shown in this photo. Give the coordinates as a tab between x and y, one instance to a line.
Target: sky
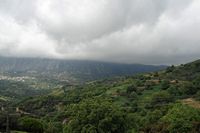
125	31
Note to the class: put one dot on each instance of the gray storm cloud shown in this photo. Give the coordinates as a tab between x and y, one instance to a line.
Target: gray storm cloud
128	31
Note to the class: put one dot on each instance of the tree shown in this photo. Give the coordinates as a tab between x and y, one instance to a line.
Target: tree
174	90
181	118
31	125
96	116
160	99
130	89
196	83
170	69
165	84
188	89
53	127
197	96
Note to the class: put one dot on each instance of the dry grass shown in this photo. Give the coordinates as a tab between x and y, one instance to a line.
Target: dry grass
191	102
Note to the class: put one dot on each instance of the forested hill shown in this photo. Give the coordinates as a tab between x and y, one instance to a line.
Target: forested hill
72	69
166	101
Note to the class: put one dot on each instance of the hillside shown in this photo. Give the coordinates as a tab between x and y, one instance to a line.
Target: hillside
156	102
72	70
24	77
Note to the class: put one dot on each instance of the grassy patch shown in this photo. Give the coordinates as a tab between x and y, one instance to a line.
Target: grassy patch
191	102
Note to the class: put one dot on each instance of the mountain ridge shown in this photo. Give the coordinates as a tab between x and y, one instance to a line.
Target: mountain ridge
79	69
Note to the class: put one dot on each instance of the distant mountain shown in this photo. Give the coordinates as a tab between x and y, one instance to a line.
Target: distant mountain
72	69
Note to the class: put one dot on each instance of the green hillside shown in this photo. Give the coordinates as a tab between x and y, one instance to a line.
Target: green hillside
167	101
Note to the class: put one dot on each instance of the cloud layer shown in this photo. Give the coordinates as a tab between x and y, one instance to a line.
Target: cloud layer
128	31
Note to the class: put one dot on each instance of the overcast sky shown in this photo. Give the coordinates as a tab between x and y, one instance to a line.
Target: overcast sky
127	31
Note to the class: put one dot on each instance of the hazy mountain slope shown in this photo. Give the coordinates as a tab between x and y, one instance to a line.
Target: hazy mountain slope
81	70
188	71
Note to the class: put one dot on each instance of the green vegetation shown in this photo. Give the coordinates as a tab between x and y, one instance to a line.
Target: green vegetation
30	125
161	102
182	118
96	115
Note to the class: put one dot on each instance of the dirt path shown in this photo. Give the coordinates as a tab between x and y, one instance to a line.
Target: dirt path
191	102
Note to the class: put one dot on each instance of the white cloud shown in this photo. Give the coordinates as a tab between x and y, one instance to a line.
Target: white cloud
131	31
24	40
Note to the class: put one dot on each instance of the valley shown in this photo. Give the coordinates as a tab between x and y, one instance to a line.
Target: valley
25	77
152	102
